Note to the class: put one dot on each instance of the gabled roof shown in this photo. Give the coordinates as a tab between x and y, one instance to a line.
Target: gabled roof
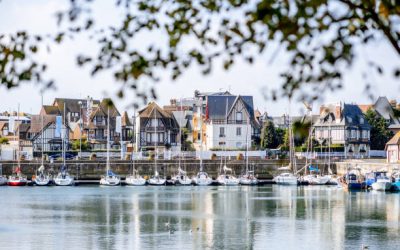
24	127
383	107
350	115
51	110
36	122
125	120
395	140
71	105
219	106
153	111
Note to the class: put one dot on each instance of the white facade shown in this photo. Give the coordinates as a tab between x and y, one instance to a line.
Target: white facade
228	136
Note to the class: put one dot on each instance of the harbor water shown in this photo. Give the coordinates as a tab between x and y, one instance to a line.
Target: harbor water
214	217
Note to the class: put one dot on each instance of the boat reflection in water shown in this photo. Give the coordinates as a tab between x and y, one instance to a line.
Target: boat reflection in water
192	217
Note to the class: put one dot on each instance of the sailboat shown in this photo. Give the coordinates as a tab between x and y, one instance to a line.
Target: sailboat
42	178
3	179
248	177
287	177
226	176
181	176
314	177
135	179
63	178
156	180
110	178
201	178
17	178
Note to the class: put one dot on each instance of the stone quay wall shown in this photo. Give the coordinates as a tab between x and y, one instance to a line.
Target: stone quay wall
366	166
93	169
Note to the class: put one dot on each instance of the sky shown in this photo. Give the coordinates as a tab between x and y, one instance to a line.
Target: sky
244	79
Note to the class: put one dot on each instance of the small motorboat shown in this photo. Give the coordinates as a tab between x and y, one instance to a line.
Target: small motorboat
315	178
352	181
396	181
372	179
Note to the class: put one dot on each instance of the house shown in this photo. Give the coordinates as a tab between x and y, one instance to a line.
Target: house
155	129
393	149
229	121
46	136
386	109
344	124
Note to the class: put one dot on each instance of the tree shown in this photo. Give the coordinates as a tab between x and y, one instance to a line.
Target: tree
319	36
379	134
76	144
280	134
3	140
268	136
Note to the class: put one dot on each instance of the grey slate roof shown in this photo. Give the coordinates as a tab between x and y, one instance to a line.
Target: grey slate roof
218	106
384	109
351	116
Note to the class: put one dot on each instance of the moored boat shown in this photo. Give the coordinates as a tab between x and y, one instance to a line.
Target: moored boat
202	179
286	179
63	178
3	179
396	181
17	179
352	181
382	184
42	178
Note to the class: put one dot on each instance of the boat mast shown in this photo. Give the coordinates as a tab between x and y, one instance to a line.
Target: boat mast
133	161
155	139
247	147
180	140
108	140
63	138
18	151
201	136
41	118
226	117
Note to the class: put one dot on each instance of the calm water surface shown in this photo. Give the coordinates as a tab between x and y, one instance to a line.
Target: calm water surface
267	217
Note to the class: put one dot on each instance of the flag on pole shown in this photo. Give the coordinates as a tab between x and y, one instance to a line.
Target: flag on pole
118	124
58	126
11	124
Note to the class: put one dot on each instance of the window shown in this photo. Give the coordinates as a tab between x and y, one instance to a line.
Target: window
239	131
160	137
153	123
148	139
221	132
239	116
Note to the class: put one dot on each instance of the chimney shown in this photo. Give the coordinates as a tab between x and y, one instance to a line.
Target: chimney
393	103
321	109
173	102
338	112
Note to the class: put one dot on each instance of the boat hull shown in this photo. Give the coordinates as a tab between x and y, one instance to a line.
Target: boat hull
42	181
286	179
381	185
396	186
17	183
133	181
157	181
64	181
110	181
317	180
3	180
227	180
354	186
248	181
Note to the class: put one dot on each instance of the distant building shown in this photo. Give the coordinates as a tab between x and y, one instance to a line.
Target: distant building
393	149
346	125
385	109
156	129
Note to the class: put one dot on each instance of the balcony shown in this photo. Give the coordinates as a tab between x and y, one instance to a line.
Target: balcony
152	129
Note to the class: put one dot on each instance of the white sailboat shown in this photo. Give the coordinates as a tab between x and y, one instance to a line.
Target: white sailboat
135	179
201	178
17	178
226	176
248	177
181	177
3	179
287	177
314	177
42	178
156	180
109	179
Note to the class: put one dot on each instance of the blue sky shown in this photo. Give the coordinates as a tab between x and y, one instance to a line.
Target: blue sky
244	79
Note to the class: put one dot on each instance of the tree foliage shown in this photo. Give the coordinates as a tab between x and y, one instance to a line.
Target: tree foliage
269	136
319	36
76	144
379	134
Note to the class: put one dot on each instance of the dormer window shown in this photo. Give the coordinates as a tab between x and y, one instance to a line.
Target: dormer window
349	119
361	120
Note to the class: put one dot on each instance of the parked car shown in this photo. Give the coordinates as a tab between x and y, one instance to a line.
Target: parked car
68	156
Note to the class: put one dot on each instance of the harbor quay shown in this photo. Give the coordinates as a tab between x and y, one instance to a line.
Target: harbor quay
94	169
